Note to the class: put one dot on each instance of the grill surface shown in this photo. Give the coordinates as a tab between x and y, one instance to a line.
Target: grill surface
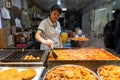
35	54
18	56
4	54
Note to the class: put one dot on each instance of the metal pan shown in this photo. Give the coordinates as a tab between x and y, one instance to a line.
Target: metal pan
79	42
83	54
17	57
67	65
109	72
34	54
91	64
39	70
4	54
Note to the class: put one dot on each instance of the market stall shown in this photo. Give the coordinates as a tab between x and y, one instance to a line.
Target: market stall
43	61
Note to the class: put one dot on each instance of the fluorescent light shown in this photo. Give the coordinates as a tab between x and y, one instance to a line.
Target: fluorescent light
64	9
58	2
101	9
113	11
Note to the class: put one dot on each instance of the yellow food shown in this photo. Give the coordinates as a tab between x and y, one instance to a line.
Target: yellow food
28	74
69	74
31	57
14	74
10	74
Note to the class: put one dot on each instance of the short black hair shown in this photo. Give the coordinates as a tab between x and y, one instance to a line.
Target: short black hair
115	14
56	7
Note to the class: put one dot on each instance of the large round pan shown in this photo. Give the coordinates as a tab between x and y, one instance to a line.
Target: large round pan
70	72
109	72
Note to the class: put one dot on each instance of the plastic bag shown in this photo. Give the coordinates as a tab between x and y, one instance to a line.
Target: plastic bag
5	13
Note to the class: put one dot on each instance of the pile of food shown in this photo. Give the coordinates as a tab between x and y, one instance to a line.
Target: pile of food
80	39
83	54
109	72
14	74
31	57
70	72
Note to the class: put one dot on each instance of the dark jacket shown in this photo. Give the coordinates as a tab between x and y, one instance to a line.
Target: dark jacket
109	34
117	31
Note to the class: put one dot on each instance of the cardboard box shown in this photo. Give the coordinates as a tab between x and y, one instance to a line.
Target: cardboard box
3	38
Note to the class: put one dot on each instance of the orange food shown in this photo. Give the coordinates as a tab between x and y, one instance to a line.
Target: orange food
83	54
31	57
80	39
109	72
70	72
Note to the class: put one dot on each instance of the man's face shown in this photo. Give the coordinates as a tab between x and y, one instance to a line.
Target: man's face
54	15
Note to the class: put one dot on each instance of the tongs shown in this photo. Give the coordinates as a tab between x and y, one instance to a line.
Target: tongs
53	53
22	51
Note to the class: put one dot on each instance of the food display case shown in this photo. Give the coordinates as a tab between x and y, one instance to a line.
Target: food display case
91	58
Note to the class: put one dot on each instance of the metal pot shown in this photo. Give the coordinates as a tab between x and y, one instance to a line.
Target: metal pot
75	42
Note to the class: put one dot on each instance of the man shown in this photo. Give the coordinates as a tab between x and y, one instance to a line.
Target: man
117	34
109	31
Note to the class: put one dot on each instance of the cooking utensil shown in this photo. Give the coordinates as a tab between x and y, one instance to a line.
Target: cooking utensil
53	53
22	51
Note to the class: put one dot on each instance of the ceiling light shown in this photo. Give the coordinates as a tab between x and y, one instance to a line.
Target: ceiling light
59	2
64	9
101	9
113	11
